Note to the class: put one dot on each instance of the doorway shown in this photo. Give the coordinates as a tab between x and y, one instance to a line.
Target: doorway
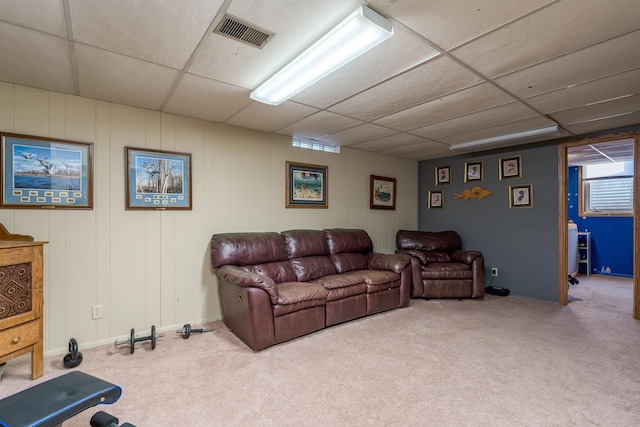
563	214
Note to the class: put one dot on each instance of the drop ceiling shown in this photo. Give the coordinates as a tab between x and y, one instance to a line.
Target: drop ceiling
454	71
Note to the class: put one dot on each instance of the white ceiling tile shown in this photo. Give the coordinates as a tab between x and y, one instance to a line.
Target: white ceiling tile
35	59
539	37
319	125
500	130
358	134
397	54
588	93
476	98
164	33
419	151
614	107
206	99
269	118
610	57
504	113
121	79
605	124
449	23
392	140
41	15
436	78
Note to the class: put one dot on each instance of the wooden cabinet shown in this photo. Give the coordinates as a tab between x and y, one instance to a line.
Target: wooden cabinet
21	300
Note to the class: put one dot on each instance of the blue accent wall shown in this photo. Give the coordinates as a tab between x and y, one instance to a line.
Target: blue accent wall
611	237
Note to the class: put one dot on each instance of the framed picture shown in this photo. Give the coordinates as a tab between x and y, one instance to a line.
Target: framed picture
45	173
443	175
473	171
511	167
307	186
521	196
157	179
436	199
382	192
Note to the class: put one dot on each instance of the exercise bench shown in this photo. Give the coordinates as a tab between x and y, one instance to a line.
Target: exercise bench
52	402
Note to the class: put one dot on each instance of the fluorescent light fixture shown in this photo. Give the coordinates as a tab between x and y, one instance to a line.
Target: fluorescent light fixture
505	140
359	32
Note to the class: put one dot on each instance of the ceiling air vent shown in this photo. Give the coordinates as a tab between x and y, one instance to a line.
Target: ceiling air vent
240	30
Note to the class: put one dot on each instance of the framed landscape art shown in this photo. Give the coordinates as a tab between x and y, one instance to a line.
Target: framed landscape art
157	179
48	173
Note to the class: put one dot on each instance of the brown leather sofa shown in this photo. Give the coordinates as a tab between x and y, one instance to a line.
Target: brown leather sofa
440	268
278	286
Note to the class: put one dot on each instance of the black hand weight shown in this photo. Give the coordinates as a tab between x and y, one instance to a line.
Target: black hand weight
74	357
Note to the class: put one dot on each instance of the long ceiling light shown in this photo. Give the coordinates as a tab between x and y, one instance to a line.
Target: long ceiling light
506	140
359	32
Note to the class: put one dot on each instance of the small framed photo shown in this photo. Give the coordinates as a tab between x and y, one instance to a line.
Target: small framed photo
436	199
157	179
382	193
521	196
48	173
306	186
443	175
510	167
473	171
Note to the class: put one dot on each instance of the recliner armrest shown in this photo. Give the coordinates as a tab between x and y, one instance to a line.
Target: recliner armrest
465	257
391	262
238	276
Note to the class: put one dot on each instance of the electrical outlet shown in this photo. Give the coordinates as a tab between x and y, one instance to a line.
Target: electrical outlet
96	311
494	271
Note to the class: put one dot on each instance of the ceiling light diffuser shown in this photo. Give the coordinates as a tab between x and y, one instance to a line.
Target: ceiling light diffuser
358	33
506	140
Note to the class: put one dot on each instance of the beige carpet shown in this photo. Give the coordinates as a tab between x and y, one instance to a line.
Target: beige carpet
498	362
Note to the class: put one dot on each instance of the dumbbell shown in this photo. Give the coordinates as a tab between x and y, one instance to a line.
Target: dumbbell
132	339
187	330
74	357
102	419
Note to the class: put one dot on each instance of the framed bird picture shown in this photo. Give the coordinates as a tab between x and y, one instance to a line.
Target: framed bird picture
45	173
157	179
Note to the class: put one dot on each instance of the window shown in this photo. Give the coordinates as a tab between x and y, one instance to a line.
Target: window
315	145
607	189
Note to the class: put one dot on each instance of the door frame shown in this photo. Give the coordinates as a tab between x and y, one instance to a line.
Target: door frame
563	214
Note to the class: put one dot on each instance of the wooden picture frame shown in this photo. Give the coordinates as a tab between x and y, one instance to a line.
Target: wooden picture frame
307	185
157	179
49	173
436	199
510	167
382	192
473	171
521	196
443	175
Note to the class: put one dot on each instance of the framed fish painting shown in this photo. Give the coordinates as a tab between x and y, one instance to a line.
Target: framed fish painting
307	186
382	193
45	173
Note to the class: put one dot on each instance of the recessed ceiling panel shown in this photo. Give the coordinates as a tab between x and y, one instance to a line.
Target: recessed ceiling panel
42	15
501	130
358	134
269	118
614	107
604	124
319	125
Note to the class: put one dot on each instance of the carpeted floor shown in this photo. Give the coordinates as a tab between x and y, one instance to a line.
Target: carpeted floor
496	362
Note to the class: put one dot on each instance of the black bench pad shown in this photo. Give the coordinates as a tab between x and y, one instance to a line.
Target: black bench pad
56	400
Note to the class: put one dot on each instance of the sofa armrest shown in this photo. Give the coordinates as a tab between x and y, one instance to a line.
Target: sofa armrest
391	262
465	257
238	276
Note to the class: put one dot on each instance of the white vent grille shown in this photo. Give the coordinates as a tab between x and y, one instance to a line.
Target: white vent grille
240	30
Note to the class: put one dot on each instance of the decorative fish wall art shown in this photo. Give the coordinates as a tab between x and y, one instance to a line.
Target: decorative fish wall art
476	192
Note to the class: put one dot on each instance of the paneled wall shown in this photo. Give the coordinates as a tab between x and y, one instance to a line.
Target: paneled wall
152	267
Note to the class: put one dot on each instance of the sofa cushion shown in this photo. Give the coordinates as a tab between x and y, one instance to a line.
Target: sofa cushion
348	261
447	241
302	243
247	248
348	240
295	296
312	267
451	270
279	272
379	277
342	285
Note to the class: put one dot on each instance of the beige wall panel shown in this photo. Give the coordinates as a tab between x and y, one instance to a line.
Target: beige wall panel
101	201
57	116
6	107
31	111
